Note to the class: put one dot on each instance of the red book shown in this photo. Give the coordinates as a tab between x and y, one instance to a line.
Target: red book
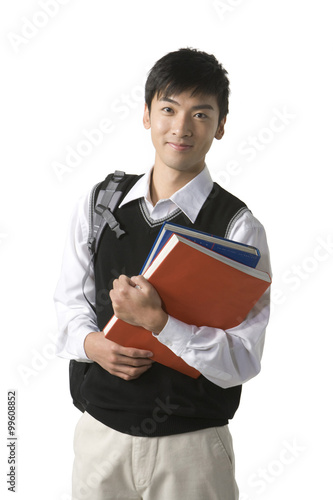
198	287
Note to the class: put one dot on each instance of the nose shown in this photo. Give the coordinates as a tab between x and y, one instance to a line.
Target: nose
181	126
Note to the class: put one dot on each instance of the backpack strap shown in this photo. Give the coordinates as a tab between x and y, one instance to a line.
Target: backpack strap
100	214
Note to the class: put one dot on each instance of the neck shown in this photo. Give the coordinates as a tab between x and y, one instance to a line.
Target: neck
165	182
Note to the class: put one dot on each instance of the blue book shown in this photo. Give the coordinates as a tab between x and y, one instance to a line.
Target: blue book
245	254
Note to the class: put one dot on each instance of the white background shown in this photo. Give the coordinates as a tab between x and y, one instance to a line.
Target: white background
67	70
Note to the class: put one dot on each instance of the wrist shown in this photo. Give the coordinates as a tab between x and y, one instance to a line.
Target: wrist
156	321
90	344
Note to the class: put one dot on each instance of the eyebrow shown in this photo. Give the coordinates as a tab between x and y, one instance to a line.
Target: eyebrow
194	108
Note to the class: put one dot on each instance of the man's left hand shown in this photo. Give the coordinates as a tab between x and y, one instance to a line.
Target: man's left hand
137	302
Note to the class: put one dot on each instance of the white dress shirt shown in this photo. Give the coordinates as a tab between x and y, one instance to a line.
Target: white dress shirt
225	357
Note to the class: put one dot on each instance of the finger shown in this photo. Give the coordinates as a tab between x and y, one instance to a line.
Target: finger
139	281
121	280
121	286
131	352
125	364
133	283
129	366
123	360
130	374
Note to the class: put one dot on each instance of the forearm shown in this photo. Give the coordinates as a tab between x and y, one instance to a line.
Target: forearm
72	332
225	357
75	316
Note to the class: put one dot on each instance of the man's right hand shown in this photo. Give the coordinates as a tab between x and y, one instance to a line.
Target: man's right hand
127	363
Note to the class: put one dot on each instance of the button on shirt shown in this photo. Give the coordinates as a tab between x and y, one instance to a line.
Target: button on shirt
225	357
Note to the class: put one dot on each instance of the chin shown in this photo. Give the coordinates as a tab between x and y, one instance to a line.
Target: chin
184	168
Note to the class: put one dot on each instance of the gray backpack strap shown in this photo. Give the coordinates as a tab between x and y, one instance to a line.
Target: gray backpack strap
100	215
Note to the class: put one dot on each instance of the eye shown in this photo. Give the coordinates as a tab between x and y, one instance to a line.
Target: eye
167	109
200	115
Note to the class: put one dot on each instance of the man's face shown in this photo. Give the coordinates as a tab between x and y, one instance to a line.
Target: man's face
182	129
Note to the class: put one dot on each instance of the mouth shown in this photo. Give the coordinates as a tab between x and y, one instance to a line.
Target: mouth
180	146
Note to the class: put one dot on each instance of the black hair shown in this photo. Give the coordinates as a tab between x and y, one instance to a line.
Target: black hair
187	69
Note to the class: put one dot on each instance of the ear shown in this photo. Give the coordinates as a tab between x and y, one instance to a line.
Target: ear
220	129
146	118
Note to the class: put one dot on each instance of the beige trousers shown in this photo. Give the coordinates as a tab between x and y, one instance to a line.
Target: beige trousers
192	466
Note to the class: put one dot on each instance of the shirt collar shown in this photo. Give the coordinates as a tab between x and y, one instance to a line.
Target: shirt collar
189	198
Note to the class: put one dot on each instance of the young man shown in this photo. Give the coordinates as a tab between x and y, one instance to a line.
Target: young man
149	431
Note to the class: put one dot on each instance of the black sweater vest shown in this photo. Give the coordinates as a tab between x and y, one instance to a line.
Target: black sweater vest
162	401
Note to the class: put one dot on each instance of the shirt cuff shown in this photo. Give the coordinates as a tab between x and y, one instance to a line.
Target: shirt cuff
74	348
175	335
81	351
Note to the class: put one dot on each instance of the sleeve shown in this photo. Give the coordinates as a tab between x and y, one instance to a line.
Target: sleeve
75	316
227	357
